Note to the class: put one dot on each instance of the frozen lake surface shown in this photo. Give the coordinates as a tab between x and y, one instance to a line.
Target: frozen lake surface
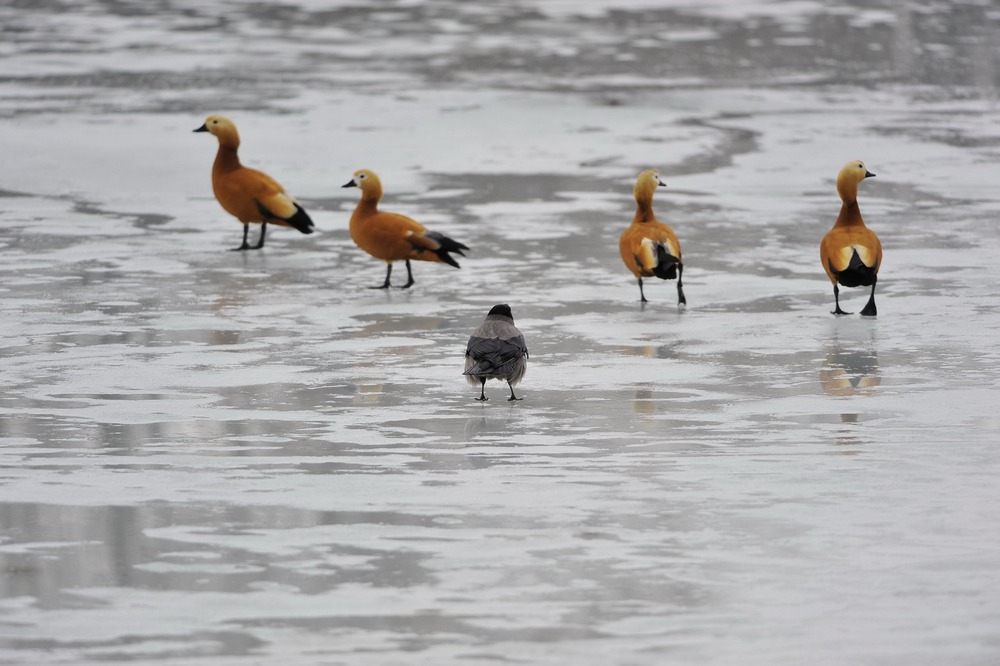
211	457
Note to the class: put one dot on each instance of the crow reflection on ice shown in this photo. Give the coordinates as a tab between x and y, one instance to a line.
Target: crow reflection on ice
496	351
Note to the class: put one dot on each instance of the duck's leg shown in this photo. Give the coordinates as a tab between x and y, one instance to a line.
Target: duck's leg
642	296
836	300
385	285
482	394
870	309
245	246
409	276
263	230
512	396
680	285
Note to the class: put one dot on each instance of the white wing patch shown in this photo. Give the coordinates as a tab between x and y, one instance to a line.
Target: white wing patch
647	255
280	204
866	255
647	251
842	258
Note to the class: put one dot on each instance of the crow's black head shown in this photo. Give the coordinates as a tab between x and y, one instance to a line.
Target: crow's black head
502	309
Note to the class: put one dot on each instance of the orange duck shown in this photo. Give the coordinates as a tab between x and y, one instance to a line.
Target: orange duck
393	237
851	252
251	196
649	247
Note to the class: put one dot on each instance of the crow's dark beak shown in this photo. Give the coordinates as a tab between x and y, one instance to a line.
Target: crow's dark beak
203	128
869	174
350	183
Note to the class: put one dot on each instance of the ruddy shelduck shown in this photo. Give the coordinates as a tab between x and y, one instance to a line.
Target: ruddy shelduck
649	247
251	196
851	252
496	350
393	237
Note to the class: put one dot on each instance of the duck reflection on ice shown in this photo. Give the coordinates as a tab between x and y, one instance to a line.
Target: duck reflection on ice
667	351
848	372
644	403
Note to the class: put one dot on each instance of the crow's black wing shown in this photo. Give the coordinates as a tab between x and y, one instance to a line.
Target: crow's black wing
494	356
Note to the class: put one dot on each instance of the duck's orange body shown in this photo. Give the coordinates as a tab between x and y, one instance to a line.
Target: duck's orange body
393	237
851	252
649	247
251	196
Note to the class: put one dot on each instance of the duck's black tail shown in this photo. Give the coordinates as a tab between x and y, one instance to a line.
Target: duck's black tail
666	264
301	220
447	246
857	274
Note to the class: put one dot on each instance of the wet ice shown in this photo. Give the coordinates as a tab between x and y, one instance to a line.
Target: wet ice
210	456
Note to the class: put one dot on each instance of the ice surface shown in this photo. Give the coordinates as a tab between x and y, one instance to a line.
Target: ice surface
211	457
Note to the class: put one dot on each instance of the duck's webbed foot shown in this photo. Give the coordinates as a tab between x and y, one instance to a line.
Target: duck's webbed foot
245	245
385	285
409	276
870	309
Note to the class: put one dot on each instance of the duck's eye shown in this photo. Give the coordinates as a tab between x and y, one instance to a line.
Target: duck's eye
861	166
361	177
215	122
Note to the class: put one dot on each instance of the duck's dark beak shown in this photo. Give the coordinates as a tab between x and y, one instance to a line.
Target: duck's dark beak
203	128
350	183
660	183
869	174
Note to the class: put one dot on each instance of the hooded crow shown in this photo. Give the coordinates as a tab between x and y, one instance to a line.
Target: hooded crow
496	350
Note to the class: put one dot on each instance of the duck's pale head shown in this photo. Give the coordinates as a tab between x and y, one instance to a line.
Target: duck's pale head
646	184
850	175
367	181
223	129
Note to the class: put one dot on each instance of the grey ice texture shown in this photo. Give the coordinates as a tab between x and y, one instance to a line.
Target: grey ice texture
221	458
